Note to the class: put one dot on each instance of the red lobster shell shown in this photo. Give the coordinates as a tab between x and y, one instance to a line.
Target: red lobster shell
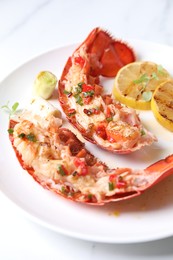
100	119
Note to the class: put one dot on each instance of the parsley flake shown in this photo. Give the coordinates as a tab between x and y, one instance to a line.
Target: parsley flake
142	132
31	137
61	170
111	186
10	131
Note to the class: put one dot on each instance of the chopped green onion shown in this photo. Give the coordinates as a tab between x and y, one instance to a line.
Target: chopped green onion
111	186
142	132
66	92
90	196
88	93
61	170
22	135
10	130
31	137
109	118
80	84
79	100
63	190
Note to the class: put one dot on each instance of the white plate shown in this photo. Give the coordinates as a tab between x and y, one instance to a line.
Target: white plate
144	218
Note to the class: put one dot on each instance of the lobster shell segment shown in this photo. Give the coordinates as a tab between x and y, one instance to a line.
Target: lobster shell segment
98	116
108	54
59	161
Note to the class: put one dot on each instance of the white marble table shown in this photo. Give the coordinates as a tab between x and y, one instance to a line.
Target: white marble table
31	27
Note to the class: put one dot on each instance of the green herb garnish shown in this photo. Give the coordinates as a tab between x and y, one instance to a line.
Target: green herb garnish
63	190
66	92
61	170
147	95
79	100
90	196
80	84
109	119
31	137
142	132
22	135
143	78
111	186
88	93
11	110
10	131
78	90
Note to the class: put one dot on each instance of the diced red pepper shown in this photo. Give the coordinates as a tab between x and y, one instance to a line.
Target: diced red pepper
79	60
91	111
96	111
84	171
120	182
87	88
108	112
112	177
87	100
78	162
101	131
90	198
82	165
117	180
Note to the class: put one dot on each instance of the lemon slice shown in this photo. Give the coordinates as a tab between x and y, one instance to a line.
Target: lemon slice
162	104
135	83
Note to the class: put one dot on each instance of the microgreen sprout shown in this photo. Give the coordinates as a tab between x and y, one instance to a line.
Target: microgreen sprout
143	78
11	110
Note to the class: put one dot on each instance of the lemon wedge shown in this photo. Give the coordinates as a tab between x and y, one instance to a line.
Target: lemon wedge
162	104
135	83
